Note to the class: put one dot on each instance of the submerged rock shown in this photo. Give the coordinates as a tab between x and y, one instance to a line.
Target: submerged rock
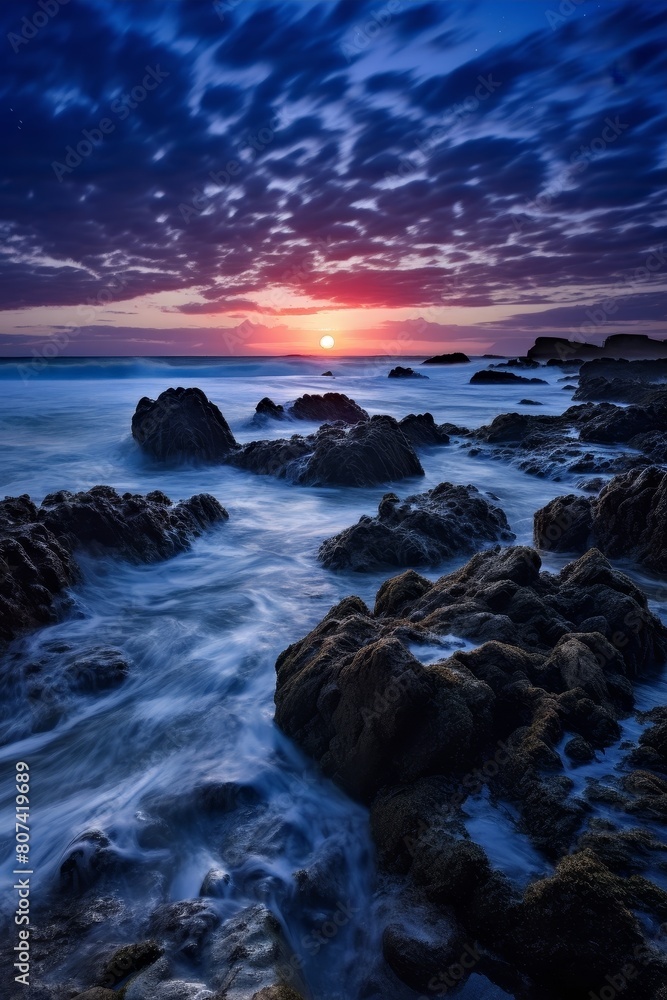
399	372
627	519
422	530
328	407
456	358
495	377
182	424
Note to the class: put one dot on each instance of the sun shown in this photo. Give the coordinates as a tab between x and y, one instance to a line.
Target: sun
327	342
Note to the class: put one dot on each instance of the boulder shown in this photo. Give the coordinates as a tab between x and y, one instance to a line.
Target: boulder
267	408
182	424
421	430
456	358
330	406
400	372
565	524
422	530
371	452
494	377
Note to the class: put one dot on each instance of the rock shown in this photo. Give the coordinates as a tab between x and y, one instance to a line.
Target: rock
129	960
653	444
267	408
630	517
456	358
330	374
522	362
421	429
35	569
399	372
184	926
139	528
564	525
423	530
97	670
182	424
579	750
420	943
97	993
529	402
282	992
375	451
576	925
328	407
618	345
503	378
627	519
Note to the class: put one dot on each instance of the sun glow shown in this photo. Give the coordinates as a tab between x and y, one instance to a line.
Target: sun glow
327	342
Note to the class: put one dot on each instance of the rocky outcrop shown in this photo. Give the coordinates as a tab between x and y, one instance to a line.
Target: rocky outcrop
38	544
421	429
267	409
521	362
370	452
628	519
182	424
494	377
618	345
456	358
422	530
330	406
35	569
400	372
557	657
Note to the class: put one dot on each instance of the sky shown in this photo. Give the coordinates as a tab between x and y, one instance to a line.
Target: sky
242	177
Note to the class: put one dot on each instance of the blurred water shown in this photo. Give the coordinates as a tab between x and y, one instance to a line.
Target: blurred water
202	633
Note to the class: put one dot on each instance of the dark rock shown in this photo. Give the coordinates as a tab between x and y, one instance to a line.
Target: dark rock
35	569
375	451
653	444
627	519
400	372
421	429
521	362
529	402
579	750
37	544
267	408
456	358
422	530
421	945
184	926
503	378
182	424
328	407
140	528
565	524
330	374
129	960
618	345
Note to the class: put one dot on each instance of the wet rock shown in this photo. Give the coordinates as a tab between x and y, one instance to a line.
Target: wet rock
97	671
183	927
623	851
182	424
216	883
328	407
97	993
90	858
250	957
565	524
164	979
330	374
35	570
422	530
421	430
521	362
529	402
576	924
399	372
139	528
494	377
579	750
421	943
129	960
372	452
627	519
266	408
653	445
456	358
